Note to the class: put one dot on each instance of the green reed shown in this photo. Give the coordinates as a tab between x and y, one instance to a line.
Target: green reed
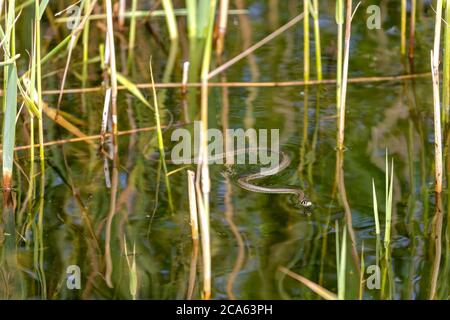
341	261
389	181
387	273
446	68
361	275
412	29
403	28
132	33
170	19
340	32
86	29
315	13
345	63
306	62
375	208
204	168
10	101
160	140
132	270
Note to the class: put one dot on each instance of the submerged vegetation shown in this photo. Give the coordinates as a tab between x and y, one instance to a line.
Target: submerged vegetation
93	90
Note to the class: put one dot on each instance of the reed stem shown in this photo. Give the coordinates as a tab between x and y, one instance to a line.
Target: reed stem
446	67
348	26
340	23
222	26
412	29
317	41
132	34
403	28
170	19
112	65
436	98
9	104
306	62
204	169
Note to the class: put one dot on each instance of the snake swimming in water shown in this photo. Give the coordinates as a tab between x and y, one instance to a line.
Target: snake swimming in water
245	181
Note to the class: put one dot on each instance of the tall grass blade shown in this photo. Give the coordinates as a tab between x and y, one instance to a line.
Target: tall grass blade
9	126
133	89
389	209
342	266
42	8
192	18
133	284
375	208
170	19
361	275
10	105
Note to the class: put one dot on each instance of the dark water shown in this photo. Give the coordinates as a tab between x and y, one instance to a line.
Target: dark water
252	234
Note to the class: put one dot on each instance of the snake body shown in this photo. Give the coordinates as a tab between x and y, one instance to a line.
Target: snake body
245	181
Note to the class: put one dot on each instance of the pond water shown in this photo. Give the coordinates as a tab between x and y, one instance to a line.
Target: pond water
88	224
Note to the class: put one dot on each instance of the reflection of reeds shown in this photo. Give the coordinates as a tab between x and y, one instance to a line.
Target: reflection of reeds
205	241
161	142
341	259
194	232
437	236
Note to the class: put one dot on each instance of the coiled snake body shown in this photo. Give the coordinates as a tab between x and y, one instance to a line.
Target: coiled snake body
245	181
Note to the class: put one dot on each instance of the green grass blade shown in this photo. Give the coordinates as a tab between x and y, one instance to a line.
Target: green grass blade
9	125
133	89
42	8
170	19
375	208
192	18
342	267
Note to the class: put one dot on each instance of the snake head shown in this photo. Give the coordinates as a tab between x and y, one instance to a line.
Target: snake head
301	202
306	203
